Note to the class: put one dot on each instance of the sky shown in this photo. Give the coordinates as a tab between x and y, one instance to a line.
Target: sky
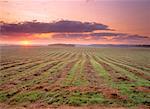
75	21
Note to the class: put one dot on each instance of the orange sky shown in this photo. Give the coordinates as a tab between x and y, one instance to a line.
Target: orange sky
126	16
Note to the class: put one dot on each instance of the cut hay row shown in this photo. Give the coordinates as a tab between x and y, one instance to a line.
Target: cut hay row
136	71
128	63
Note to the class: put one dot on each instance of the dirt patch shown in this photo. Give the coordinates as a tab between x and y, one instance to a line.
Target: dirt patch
113	93
121	78
142	89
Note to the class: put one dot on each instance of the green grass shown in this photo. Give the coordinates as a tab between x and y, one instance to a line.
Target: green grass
75	98
5	95
80	79
134	97
78	98
98	68
24	97
72	73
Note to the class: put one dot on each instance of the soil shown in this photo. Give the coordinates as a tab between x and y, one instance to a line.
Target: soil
44	106
142	89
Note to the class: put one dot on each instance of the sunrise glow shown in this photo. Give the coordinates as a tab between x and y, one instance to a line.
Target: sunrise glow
59	21
25	43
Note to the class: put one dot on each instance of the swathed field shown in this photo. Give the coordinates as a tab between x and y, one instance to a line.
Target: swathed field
74	77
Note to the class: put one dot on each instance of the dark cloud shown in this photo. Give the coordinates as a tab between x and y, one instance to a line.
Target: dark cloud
59	26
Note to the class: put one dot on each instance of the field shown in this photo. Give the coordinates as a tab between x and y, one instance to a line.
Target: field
39	77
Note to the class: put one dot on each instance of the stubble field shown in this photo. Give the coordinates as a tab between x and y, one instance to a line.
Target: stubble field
38	77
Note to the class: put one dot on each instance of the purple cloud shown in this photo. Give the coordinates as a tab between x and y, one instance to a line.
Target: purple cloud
59	26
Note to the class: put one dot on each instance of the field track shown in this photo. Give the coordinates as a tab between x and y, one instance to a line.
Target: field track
74	77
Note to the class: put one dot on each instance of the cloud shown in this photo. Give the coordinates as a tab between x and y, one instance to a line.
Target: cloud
75	31
107	36
133	39
59	26
136	37
95	36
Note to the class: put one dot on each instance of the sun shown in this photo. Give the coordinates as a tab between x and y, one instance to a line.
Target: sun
25	42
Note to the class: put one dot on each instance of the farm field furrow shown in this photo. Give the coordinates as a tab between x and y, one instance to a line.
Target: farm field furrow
144	68
45	76
138	72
